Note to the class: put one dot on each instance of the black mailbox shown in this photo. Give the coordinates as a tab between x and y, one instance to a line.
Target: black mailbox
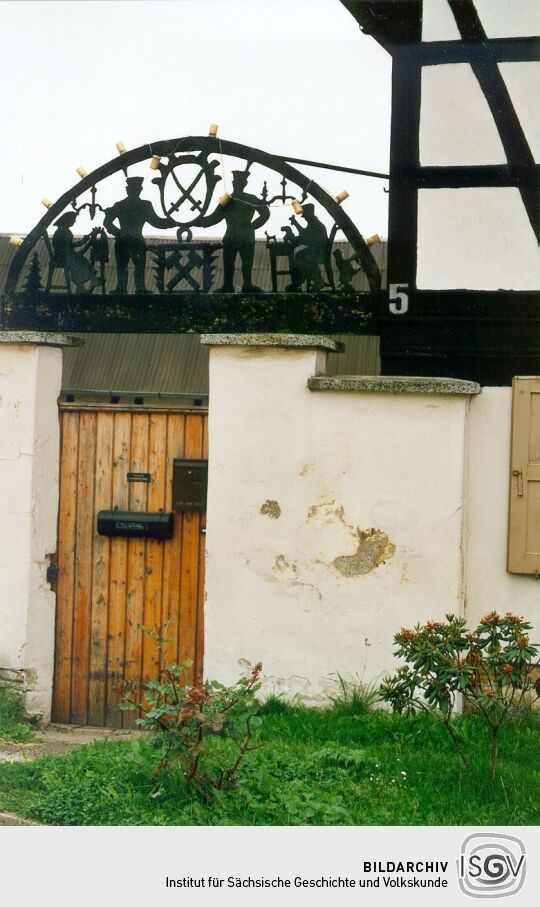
135	525
190	480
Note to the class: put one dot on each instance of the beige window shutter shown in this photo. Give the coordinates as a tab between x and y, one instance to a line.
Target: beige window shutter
524	513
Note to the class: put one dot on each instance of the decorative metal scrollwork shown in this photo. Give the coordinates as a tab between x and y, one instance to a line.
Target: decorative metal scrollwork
178	200
65	255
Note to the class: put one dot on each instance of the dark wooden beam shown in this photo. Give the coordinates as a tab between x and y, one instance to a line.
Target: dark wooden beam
404	162
467	176
389	22
500	50
484	336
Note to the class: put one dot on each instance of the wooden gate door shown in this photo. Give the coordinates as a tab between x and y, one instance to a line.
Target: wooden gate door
110	588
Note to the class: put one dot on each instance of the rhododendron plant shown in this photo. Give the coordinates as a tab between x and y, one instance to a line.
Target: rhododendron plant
490	668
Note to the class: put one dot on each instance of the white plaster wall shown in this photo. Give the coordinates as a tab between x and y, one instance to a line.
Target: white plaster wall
438	23
500	19
509	18
477	239
488	585
456	126
30	379
335	463
523	83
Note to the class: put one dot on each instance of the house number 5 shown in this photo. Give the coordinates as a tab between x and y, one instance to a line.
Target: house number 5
400	303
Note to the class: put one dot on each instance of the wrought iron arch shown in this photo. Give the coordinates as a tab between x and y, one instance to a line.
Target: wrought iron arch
79	259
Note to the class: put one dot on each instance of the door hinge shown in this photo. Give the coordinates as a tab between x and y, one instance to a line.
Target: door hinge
51	574
519	475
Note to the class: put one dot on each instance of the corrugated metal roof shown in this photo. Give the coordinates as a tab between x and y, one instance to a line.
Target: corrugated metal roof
164	363
7	253
361	356
177	363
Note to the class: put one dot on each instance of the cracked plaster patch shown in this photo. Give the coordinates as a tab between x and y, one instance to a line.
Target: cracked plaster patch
374	548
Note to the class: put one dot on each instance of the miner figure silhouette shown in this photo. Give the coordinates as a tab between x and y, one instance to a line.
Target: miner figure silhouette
132	213
243	215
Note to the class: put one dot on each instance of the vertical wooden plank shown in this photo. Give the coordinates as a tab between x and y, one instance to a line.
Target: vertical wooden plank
199	638
67	519
534	439
189	580
172	553
532	538
524	497
138	493
108	588
97	679
118	569
517	513
83	568
157	450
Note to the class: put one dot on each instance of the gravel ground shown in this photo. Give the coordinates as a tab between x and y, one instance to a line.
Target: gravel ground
57	739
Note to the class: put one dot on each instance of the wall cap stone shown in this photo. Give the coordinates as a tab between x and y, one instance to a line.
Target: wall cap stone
40	339
393	384
296	341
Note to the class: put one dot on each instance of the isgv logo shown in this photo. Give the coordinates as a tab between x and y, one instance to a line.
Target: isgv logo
491	866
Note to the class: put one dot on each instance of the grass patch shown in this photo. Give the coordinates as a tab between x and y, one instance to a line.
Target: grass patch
14	722
330	767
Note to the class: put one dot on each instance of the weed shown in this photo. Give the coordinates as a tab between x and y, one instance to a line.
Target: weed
14	722
353	697
274	705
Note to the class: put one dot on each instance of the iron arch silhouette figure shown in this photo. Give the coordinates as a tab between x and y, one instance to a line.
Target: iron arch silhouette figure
240	227
312	251
69	254
132	213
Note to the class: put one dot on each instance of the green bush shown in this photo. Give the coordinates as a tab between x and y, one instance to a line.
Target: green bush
185	721
490	668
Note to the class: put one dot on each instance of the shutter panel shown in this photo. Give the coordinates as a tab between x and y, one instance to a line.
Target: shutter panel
524	514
